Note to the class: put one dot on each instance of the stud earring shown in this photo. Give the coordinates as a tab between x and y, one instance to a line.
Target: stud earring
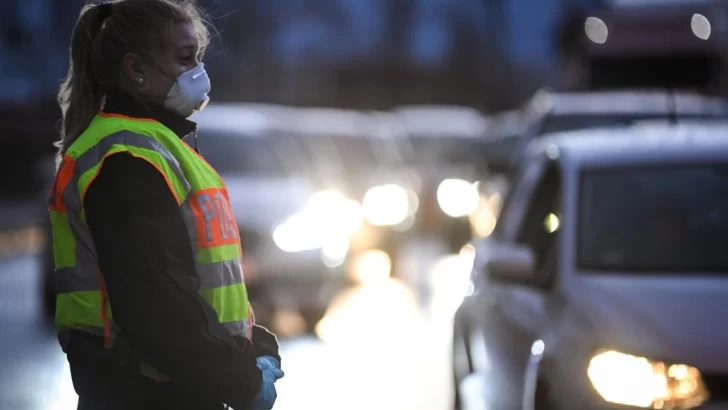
140	80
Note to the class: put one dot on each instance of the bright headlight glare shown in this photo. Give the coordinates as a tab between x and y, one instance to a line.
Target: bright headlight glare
294	235
386	205
372	266
328	218
636	381
458	197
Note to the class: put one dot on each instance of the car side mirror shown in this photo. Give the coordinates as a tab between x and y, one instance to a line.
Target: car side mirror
511	264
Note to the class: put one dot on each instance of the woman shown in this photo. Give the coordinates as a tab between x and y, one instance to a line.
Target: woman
142	225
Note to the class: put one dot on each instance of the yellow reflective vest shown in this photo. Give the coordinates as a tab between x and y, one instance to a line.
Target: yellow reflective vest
81	301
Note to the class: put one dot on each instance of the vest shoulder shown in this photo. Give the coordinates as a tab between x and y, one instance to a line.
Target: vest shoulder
110	131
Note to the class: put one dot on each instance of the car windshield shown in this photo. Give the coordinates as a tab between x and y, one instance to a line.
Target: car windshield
240	154
425	152
658	218
283	154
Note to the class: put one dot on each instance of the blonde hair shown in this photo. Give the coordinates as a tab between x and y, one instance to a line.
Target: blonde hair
104	33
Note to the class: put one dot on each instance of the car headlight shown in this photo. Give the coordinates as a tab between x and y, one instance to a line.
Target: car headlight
328	218
372	266
331	210
458	197
387	205
640	382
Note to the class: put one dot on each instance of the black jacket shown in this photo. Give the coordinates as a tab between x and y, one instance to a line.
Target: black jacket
148	265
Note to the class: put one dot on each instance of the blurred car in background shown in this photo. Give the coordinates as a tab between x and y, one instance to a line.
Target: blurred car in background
605	280
283	176
549	112
423	197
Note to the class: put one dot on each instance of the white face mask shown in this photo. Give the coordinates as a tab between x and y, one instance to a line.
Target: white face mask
189	92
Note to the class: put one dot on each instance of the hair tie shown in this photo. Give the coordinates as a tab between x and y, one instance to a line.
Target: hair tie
104	10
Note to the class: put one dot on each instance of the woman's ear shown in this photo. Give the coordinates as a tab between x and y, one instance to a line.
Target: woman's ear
133	71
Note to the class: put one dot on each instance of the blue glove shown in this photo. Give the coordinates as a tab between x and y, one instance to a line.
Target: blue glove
267	363
267	395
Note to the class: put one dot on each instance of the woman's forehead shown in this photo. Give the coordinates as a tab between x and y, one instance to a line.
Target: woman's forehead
183	35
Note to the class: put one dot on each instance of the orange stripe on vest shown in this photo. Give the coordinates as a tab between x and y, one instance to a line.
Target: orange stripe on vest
63	178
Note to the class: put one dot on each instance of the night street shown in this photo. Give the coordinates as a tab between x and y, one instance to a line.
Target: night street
384	361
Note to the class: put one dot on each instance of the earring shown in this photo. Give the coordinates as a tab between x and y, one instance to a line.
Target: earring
140	80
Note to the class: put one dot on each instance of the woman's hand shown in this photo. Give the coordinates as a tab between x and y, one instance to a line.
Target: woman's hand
271	371
267	363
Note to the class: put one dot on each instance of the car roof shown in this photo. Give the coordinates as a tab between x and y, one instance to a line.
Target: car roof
258	120
627	102
448	121
241	118
640	143
249	119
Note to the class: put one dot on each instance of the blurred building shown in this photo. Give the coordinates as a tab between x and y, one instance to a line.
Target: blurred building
320	52
374	54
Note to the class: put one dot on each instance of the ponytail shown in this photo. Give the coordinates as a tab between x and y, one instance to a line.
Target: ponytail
80	96
103	35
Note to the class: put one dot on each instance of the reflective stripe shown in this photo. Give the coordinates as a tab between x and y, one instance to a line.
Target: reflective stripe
92	158
85	250
68	280
238	328
216	275
189	217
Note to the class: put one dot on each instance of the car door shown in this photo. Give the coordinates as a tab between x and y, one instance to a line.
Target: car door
517	312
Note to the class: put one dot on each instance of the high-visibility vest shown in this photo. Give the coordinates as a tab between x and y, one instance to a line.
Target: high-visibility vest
81	301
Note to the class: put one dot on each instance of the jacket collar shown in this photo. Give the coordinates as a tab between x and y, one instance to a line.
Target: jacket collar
119	102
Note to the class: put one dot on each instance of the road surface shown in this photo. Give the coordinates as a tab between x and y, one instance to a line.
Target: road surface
380	352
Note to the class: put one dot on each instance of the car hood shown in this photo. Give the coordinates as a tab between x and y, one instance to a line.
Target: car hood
261	203
675	319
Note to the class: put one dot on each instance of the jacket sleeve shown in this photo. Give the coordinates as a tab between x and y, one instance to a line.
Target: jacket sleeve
265	342
148	265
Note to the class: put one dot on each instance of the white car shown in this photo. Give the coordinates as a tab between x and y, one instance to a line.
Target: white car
605	284
282	171
550	112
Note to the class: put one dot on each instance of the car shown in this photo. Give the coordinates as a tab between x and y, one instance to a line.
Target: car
605	281
286	173
435	157
550	112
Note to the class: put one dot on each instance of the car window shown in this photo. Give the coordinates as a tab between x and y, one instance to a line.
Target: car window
666	218
240	154
541	222
518	195
426	152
